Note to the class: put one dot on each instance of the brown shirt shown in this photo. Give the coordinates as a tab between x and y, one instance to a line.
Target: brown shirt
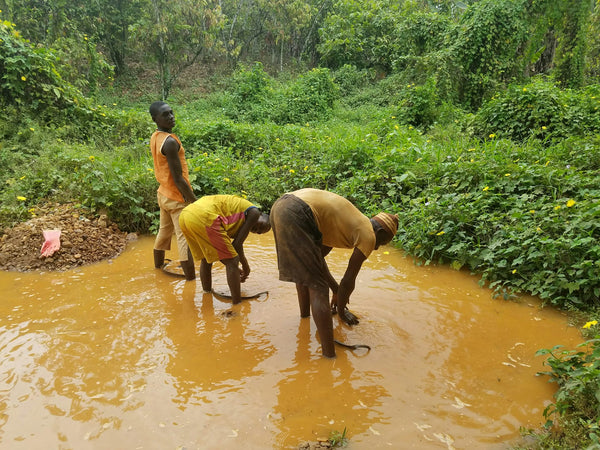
340	222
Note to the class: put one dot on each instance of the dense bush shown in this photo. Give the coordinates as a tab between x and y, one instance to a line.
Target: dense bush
308	98
540	110
254	98
419	105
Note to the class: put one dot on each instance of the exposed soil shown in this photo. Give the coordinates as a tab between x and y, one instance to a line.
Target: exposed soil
84	239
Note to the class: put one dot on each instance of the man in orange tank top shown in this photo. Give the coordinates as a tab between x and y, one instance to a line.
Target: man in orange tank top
174	190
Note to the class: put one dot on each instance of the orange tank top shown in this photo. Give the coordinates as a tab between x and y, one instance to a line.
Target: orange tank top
162	172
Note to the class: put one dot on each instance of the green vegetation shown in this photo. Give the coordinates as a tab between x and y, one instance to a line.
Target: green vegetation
577	372
338	439
476	121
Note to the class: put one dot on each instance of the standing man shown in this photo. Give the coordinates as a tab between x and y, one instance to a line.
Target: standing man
307	224
174	190
216	227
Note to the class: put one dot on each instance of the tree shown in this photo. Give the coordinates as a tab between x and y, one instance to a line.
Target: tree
178	34
109	21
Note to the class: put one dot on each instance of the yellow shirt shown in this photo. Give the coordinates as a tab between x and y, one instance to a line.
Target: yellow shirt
162	172
340	222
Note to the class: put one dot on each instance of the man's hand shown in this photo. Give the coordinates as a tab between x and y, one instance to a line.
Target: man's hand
345	313
348	317
244	274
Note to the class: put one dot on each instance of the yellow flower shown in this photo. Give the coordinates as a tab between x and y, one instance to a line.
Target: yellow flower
22	178
292	171
538	229
557	207
410	127
440	233
487	188
21	198
532	211
524	89
32	129
544	127
150	169
420	159
393	117
507	174
492	136
590	323
226	180
396	127
91	157
570	203
514	271
305	168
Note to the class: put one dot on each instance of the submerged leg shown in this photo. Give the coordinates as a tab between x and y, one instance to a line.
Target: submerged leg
159	258
319	304
188	267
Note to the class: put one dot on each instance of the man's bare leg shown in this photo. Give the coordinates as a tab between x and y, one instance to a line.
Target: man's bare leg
303	300
188	267
319	304
159	258
206	275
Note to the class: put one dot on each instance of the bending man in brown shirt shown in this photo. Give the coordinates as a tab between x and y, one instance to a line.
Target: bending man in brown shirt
307	224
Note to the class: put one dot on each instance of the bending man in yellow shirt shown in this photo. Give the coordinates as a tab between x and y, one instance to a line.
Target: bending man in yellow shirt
307	224
216	227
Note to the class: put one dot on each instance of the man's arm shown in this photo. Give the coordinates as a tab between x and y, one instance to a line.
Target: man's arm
333	285
347	286
252	217
171	150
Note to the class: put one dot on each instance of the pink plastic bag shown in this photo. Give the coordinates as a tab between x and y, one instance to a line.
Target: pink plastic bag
51	243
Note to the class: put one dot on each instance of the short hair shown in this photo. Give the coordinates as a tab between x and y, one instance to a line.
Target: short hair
154	107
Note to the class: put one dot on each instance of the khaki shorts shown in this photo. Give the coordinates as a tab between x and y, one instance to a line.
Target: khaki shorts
169	225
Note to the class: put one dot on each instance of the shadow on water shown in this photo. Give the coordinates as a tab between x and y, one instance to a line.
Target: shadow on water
120	355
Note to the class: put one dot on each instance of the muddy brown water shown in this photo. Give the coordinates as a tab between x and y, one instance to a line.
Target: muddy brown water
119	355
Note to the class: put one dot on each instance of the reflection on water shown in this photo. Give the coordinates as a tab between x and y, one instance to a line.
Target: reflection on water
120	355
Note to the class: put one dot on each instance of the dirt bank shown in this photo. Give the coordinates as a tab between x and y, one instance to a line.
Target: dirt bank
85	239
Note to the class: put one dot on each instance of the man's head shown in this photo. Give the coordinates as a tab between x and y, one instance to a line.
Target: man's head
385	226
262	225
163	115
